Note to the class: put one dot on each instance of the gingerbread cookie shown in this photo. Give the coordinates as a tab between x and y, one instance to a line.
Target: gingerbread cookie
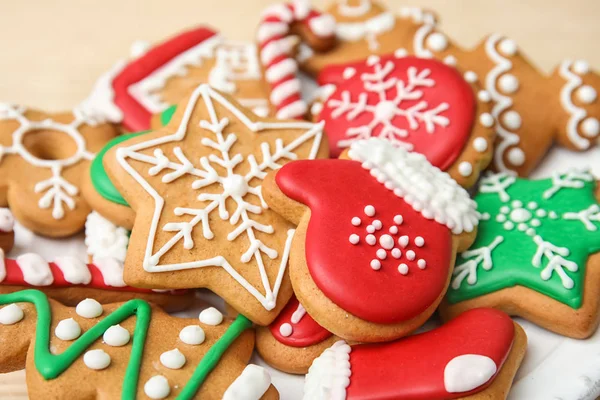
126	350
474	357
514	85
421	105
7	233
537	253
70	280
293	340
157	77
43	158
195	187
391	219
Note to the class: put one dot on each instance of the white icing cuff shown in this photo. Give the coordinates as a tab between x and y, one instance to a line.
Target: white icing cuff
252	384
411	177
329	374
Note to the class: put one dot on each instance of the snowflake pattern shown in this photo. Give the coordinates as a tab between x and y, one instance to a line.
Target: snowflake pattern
392	93
220	167
537	234
57	191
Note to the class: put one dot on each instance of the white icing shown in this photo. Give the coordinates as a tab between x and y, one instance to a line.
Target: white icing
508	47
484	96
486	120
329	375
101	102
252	384
157	387
74	270
67	329
468	372
403	269
369	29
105	239
139	47
422	263
376	265
35	269
590	127
211	316
516	157
192	335
11	314
286	329
465	168
172	359
349	73
322	25
56	191
471	77
480	144
89	308
428	23
116	336
581	67
419	241
111	270
512	120
437	42
354	238
369	211
587	94
410	176
7	221
353	11
450	60
508	83
96	359
245	210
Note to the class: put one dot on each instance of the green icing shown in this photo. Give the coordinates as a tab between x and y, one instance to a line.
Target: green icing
536	234
51	365
165	116
100	179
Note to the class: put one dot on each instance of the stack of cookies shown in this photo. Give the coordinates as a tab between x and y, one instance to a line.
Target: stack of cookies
333	228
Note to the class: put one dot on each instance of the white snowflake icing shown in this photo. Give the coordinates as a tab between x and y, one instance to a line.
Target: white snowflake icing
233	185
389	107
587	216
572	179
497	183
57	191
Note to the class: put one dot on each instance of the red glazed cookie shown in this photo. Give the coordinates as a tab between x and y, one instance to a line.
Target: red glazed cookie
376	240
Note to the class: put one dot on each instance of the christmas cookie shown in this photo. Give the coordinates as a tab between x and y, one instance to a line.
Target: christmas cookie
419	104
195	187
514	86
293	340
70	280
126	350
43	158
159	76
376	240
7	233
474	357
537	253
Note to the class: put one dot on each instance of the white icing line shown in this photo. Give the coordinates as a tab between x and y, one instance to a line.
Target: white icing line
577	114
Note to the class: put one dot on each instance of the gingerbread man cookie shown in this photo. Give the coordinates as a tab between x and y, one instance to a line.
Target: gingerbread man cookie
514	85
7	233
473	357
43	158
126	350
537	253
195	187
376	239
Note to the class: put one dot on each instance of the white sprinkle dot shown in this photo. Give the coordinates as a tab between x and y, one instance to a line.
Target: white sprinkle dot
403	241
398	219
410	255
484	96
393	230
285	329
480	144
369	211
370	229
437	42
403	269
450	60
508	83
396	253
349	73
354	238
516	157
422	263
377	224
381	254
400	53
371	240
356	221
486	120
581	67
512	120
419	241
465	168
590	127
386	241
471	77
375	264
508	47
587	94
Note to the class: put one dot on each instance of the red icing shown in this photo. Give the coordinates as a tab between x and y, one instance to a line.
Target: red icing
306	332
444	145
136	116
338	190
413	368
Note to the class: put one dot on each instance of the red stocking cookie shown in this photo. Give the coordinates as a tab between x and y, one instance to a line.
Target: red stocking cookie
7	233
376	240
473	357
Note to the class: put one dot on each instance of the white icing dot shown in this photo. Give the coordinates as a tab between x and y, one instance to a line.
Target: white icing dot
410	255
400	53
450	60
211	316
553	215
508	83
356	221
372	60
517	204
396	253
398	219
157	387
422	264
486	120
480	144
403	241
375	264
403	269
512	120
377	224
370	229
505	209
532	205
369	211
89	308
11	314
437	41
349	73
508	225
590	127
500	218
465	168
530	232
587	94
541	213
116	336
536	222
393	230
354	238
471	77
381	254
522	227
508	47
484	96
172	359
192	335
581	67
386	241
516	157
96	359
419	241
371	240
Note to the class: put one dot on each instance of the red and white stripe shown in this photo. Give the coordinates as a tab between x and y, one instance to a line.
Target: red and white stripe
276	46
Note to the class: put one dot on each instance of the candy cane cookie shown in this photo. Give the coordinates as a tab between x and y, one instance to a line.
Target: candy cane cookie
277	49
